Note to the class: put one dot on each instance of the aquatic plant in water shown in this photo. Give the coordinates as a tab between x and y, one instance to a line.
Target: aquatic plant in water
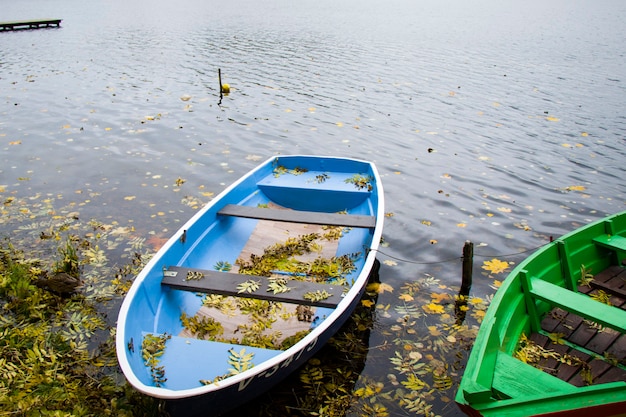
57	354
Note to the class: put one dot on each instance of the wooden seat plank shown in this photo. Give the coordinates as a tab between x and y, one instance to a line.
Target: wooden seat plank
578	304
299	216
226	283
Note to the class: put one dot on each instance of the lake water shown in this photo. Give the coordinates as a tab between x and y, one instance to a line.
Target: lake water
499	122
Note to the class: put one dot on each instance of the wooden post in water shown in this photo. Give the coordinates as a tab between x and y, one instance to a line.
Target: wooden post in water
460	305
468	264
219	77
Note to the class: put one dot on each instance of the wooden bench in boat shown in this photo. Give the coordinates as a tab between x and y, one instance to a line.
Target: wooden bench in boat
225	283
299	216
615	243
572	301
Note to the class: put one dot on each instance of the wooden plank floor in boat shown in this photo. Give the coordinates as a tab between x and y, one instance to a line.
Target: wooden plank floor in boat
603	342
268	233
265	234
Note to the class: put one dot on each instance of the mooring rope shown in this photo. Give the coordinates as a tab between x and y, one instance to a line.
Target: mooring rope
456	258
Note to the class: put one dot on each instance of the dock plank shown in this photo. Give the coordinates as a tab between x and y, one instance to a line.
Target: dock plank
29	24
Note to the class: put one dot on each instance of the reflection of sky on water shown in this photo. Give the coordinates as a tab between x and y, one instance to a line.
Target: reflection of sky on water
515	103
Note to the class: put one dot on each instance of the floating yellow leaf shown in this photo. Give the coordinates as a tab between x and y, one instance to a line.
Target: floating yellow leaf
461	225
433	242
130	197
406	297
108	128
434	331
389	262
382	287
479	314
15	142
495	266
367	303
433	308
504	209
439	297
426	222
576	188
552	119
585	134
339	124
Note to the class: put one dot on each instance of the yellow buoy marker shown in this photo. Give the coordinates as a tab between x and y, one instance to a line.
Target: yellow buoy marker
225	88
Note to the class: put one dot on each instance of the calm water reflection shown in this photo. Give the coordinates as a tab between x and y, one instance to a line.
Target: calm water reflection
479	115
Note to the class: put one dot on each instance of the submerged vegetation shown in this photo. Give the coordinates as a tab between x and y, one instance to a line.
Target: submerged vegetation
57	351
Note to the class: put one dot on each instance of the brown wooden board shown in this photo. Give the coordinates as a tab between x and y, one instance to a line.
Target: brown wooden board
614	374
226	283
299	216
584	336
602	340
610	287
566	372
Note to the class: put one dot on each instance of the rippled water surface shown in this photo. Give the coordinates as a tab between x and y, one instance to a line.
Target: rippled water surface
498	122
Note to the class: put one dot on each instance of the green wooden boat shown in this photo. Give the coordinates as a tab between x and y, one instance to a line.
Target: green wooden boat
554	287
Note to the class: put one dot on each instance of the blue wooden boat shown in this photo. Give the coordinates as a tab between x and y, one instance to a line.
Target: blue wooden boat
253	285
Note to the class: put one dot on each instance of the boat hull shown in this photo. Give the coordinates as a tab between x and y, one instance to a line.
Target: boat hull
192	374
222	401
495	383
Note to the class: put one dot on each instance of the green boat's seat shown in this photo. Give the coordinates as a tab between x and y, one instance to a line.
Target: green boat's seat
571	301
615	243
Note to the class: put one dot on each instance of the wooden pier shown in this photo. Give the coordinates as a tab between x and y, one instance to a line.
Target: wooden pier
30	24
600	352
